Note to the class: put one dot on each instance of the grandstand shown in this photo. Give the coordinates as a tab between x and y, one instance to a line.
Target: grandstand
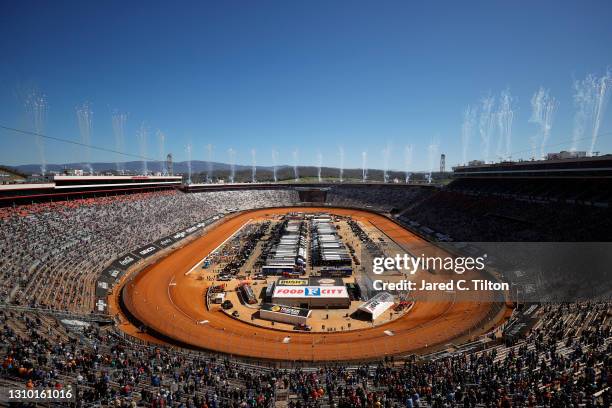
551	200
10	176
69	187
56	251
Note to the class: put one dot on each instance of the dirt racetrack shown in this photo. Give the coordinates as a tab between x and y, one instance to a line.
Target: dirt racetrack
170	302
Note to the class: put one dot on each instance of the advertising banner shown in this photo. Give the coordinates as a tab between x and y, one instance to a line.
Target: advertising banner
310	291
126	261
165	242
293	311
147	250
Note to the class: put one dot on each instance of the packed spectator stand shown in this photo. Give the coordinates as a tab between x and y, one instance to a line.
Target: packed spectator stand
53	252
474	210
565	360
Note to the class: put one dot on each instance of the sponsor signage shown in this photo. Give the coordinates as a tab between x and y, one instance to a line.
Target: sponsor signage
107	279
288	310
165	242
340	272
112	274
126	261
102	288
101	305
179	235
190	230
147	250
325	282
292	282
310	291
186	232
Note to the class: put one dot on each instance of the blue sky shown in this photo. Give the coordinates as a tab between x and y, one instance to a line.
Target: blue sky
311	76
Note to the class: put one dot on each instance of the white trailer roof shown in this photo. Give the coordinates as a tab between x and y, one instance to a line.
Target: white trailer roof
378	304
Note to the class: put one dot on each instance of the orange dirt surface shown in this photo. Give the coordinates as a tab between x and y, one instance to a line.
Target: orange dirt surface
170	301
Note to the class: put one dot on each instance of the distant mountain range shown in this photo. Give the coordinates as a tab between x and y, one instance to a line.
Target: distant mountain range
242	173
197	166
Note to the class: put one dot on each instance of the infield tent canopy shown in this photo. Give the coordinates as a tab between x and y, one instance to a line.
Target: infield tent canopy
377	305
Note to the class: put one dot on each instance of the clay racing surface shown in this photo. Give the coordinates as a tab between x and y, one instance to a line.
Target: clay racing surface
170	302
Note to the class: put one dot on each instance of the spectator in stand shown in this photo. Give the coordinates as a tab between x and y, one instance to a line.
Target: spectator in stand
565	360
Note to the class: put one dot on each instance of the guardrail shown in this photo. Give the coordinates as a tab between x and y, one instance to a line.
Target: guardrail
63	314
117	268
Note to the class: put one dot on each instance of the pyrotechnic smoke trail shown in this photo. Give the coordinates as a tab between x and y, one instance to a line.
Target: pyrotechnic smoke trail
142	135
486	125
253	165
603	89
543	108
118	121
161	138
469	122
505	116
364	164
590	98
319	165
209	163
295	164
85	120
408	162
386	156
232	158
188	150
432	151
36	108
274	161
341	152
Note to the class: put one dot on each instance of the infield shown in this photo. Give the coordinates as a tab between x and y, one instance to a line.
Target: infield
169	302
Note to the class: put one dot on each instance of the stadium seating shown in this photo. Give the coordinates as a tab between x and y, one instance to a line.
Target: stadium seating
564	360
467	217
53	252
377	197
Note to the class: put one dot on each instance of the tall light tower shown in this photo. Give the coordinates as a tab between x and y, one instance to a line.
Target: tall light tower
442	163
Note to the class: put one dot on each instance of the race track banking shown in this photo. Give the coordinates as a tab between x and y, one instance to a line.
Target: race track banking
169	301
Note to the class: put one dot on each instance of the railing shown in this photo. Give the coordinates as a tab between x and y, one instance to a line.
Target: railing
62	314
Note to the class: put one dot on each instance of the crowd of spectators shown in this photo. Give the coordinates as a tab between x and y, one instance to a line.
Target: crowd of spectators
595	192
52	253
102	368
485	210
472	218
238	200
564	360
384	198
